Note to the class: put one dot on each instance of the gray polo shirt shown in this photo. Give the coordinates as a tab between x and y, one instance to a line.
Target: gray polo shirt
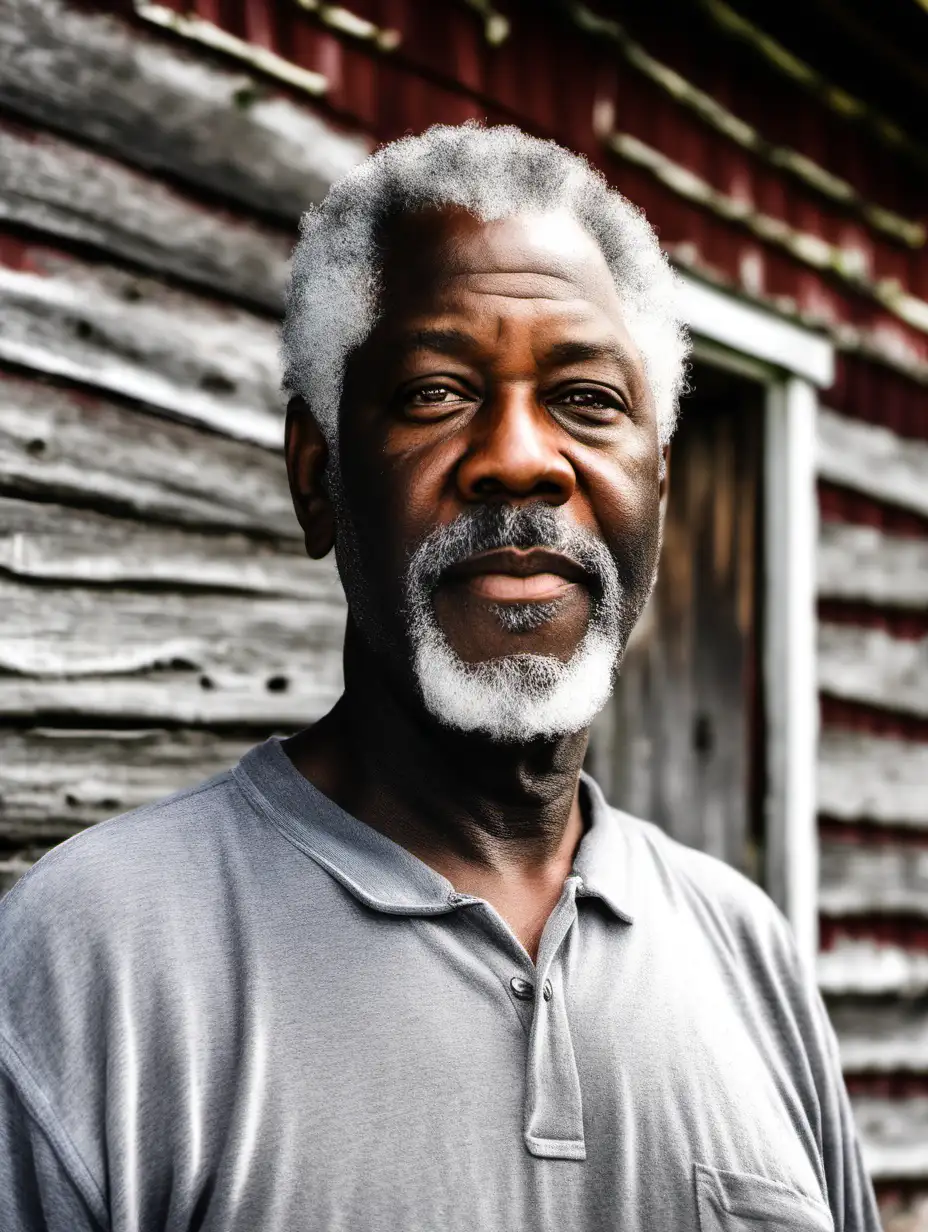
242	1010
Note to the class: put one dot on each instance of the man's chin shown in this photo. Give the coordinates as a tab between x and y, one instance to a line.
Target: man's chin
518	695
479	632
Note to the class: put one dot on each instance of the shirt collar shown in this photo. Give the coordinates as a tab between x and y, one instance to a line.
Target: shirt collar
385	876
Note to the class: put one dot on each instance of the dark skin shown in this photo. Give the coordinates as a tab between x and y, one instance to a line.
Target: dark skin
500	370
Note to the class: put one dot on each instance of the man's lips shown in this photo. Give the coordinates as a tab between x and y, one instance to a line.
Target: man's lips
516	575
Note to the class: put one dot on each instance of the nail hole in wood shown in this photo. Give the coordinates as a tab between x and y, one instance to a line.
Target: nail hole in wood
206	683
216	383
278	684
703	735
35	447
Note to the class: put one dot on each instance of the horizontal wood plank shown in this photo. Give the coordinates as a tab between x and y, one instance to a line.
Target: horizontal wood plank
47	542
864	879
872	778
864	564
881	1034
57	446
873	460
863	966
82	196
186	658
53	782
893	1136
198	361
869	666
156	105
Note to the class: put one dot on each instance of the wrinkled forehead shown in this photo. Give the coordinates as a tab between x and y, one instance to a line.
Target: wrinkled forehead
430	254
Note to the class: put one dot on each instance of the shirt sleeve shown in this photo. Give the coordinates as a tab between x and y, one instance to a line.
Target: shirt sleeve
36	1192
850	1190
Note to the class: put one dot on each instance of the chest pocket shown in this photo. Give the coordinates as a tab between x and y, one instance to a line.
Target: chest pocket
739	1202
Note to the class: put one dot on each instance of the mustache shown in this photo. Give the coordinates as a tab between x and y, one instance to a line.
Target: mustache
487	528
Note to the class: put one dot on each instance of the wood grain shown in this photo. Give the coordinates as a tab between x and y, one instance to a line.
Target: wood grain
675	744
873	460
48	543
185	658
881	1034
870	666
201	362
62	447
872	778
869	968
893	1136
53	782
858	879
157	106
52	186
864	564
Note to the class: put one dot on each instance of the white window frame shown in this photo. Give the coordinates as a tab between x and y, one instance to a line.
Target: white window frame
792	363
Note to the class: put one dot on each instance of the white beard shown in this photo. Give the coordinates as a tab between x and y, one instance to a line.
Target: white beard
516	699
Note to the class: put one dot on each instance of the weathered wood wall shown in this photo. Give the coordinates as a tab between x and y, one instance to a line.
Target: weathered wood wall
160	614
873	771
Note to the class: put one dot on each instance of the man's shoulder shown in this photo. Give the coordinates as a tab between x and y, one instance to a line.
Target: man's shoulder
124	857
727	903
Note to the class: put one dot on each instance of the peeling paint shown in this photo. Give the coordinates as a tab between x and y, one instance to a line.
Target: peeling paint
346	22
811	250
836	99
207	35
745	135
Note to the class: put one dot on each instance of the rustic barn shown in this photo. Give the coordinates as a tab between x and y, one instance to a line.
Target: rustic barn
159	615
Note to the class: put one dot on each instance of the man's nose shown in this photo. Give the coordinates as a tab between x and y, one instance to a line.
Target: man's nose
515	454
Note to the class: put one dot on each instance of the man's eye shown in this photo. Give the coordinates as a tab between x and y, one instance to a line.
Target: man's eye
430	395
594	403
434	401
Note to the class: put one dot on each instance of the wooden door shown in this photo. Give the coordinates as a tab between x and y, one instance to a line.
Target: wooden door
681	743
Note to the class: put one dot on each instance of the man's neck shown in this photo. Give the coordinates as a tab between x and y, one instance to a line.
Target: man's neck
501	821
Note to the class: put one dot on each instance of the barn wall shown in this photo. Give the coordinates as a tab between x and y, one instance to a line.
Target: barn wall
153	162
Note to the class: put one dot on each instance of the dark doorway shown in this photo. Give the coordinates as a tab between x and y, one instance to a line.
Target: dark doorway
682	741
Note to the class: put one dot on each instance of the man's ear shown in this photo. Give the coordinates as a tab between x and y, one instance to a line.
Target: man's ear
664	488
307	455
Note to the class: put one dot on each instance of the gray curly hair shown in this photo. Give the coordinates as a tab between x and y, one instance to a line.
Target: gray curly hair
497	172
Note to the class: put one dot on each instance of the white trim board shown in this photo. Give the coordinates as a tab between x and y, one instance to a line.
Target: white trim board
791	363
754	332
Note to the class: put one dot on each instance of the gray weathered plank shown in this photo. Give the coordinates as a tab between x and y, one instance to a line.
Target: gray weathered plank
870	666
53	782
155	105
80	195
867	967
893	1136
58	446
231	699
881	1034
872	460
872	778
56	543
168	656
198	361
862	879
864	564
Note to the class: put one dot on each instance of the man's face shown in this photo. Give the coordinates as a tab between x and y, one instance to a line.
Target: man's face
499	403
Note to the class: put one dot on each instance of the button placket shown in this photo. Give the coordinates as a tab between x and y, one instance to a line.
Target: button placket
553	1101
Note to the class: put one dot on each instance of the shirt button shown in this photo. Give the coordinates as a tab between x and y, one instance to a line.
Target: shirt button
454	899
523	989
547	991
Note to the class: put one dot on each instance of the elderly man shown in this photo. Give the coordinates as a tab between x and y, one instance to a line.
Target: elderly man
407	971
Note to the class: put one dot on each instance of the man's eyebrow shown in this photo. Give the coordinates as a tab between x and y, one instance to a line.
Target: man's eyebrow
455	341
577	352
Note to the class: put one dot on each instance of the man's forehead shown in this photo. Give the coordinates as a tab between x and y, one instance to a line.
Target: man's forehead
433	257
